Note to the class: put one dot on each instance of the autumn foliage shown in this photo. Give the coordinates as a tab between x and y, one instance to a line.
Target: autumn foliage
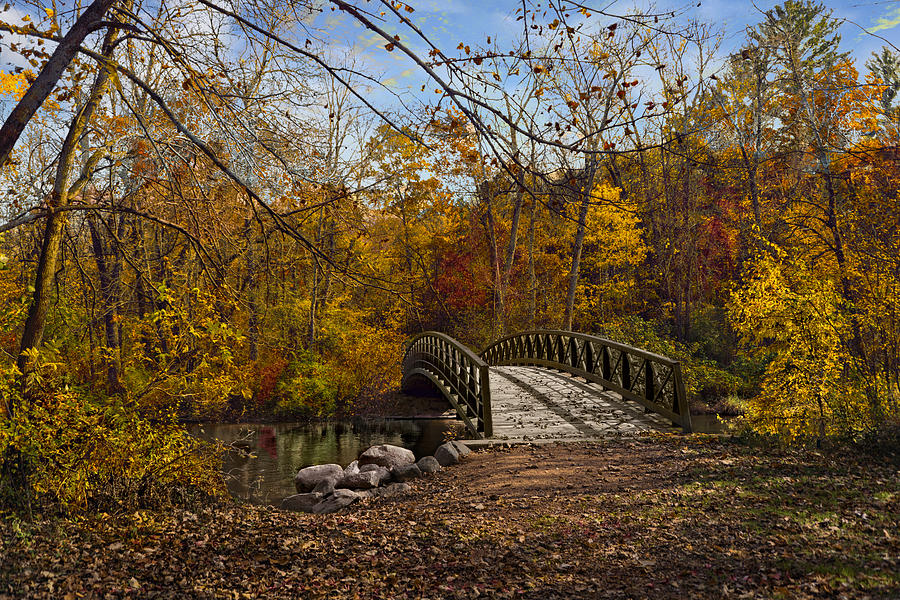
222	243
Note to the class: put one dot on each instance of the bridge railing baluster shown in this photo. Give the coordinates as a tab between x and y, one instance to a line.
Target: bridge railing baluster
631	372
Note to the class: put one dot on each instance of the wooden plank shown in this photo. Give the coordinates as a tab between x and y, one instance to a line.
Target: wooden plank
531	403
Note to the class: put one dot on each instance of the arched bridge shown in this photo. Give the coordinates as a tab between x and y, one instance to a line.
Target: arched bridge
550	385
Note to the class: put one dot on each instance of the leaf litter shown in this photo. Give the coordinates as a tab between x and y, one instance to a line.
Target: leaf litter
655	517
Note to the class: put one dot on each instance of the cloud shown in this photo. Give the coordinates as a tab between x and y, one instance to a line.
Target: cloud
890	20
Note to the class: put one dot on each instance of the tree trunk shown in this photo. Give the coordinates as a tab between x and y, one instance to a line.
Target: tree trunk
49	76
532	280
108	272
33	333
579	243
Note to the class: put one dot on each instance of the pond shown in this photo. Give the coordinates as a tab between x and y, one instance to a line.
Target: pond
709	423
264	473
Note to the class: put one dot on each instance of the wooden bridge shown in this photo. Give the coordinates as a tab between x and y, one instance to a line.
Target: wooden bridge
550	385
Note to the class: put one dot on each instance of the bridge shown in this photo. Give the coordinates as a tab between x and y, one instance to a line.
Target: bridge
550	385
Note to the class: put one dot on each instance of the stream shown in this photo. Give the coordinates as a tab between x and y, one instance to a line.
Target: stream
262	471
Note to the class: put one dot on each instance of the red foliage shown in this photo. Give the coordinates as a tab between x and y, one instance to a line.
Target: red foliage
268	377
455	281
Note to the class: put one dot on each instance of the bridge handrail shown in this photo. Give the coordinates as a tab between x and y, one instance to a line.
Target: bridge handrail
591	357
458	372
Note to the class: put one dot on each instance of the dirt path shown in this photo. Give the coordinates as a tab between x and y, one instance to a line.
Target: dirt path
650	518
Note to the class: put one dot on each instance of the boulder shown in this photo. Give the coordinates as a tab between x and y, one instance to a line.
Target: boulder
446	454
428	464
387	456
325	487
395	489
360	481
385	474
335	502
406	472
352	468
461	448
307	479
302	502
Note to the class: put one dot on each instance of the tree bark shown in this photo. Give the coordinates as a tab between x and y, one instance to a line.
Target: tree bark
109	272
578	243
48	77
33	333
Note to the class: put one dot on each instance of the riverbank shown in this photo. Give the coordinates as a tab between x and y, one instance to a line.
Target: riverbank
662	517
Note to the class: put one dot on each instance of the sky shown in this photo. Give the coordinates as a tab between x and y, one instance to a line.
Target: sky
449	22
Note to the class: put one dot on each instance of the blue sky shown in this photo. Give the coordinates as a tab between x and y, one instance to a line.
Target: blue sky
449	22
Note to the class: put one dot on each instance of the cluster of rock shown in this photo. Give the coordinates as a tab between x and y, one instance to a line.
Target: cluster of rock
382	470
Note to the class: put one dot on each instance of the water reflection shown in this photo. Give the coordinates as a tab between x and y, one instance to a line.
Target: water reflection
264	473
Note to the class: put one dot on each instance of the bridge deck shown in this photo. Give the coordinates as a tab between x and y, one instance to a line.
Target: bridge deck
531	403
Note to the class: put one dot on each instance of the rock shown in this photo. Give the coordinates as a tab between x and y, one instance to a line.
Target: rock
352	468
367	494
335	502
386	475
383	473
307	479
325	487
361	481
446	454
302	502
406	472
387	456
461	448
395	489
428	464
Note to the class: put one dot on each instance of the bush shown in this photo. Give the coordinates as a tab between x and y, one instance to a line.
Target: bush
191	359
64	451
306	388
703	378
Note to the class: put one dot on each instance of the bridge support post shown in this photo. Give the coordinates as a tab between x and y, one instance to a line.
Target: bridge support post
485	417
683	408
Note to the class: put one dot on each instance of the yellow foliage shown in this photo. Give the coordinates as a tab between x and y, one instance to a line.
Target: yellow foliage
13	85
811	386
80	453
192	363
613	248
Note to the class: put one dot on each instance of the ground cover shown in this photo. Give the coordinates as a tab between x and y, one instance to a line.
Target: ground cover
656	517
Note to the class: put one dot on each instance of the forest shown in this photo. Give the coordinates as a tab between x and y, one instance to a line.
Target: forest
212	213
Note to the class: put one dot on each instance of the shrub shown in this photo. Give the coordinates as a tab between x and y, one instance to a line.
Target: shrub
306	388
703	378
64	450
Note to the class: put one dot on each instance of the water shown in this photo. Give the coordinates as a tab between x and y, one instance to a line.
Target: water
711	423
264	473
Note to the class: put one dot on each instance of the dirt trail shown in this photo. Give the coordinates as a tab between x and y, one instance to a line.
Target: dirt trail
661	517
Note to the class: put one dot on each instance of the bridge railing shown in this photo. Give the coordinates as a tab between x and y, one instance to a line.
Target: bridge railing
460	374
650	379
